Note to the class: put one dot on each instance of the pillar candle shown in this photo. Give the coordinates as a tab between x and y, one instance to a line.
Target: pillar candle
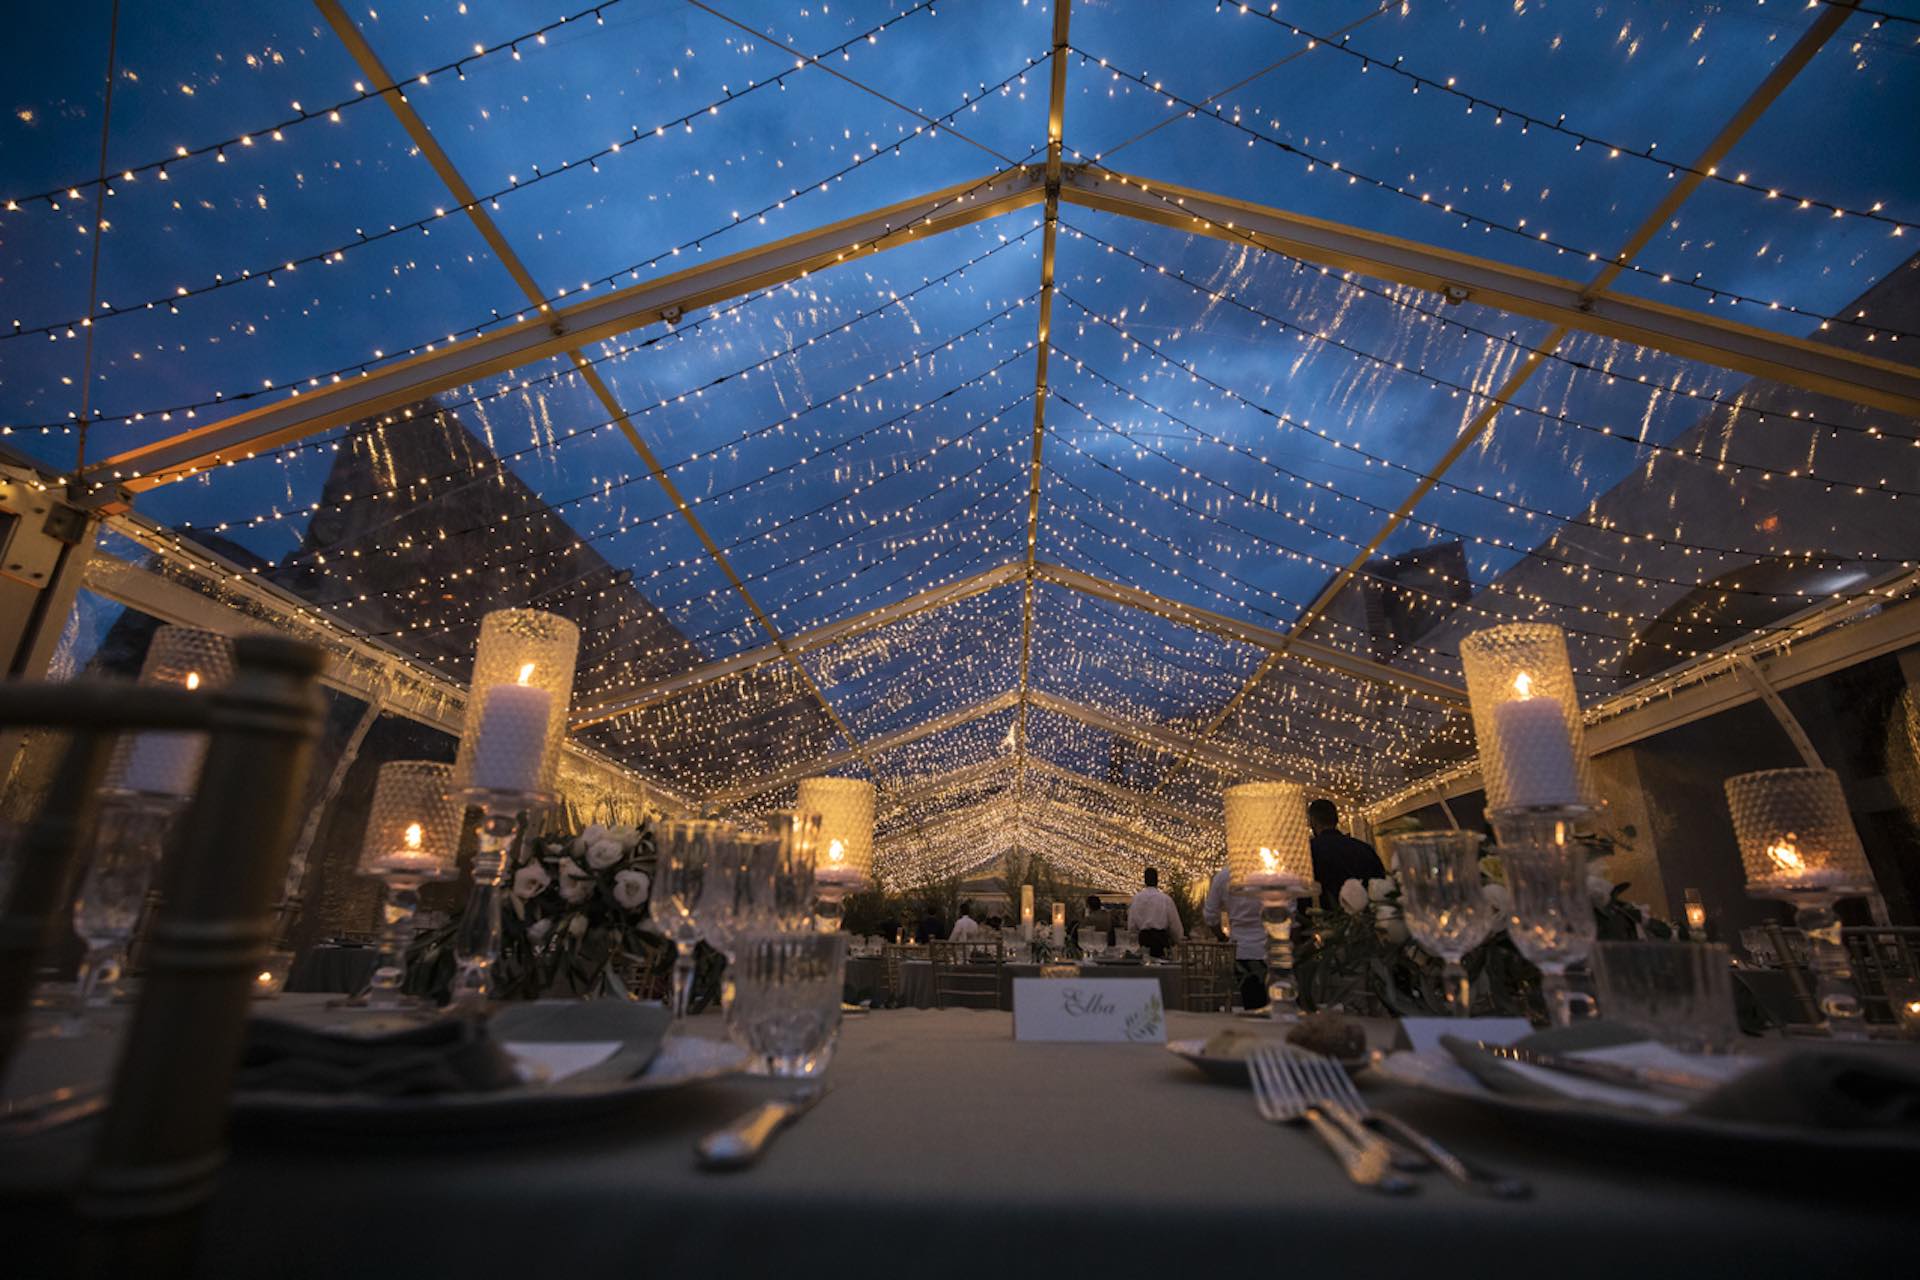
1536	748
511	747
1026	912
832	870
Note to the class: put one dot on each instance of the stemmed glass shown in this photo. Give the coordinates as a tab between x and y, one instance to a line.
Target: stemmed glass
782	857
1552	921
680	883
114	894
1445	909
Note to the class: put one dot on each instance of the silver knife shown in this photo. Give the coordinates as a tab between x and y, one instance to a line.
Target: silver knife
740	1143
1661	1080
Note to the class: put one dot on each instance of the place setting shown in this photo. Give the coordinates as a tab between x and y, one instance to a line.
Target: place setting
1043	633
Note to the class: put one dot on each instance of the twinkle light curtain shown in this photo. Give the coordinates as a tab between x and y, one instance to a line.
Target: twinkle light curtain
839	523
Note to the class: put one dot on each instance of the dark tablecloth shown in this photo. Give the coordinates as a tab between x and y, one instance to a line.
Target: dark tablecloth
325	968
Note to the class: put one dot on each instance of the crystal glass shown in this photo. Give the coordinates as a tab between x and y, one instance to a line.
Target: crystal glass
685	854
1798	844
521	647
114	895
412	836
476	940
739	887
1270	854
161	762
786	999
1526	716
1441	899
1551	922
1680	993
787	847
844	861
1092	942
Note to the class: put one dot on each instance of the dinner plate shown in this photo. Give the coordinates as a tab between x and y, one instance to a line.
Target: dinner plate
681	1060
1599	1123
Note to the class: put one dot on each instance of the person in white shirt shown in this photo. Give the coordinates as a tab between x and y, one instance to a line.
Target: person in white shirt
1153	915
966	928
1238	915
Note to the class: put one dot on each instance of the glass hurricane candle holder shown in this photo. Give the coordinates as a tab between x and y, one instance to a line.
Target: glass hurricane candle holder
412	836
844	861
1445	910
1269	853
1798	844
1551	921
523	661
1526	716
159	762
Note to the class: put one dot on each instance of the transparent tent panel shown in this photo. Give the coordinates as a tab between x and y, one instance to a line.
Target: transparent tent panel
1130	662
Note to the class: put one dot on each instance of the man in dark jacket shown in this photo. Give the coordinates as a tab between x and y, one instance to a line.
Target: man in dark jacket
1337	856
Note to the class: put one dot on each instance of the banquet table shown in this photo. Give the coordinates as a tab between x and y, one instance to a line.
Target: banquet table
331	968
947	1148
916	981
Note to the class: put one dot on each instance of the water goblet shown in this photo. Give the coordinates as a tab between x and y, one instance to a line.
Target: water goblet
785	848
679	893
785	1008
114	894
1441	898
1551	922
1680	993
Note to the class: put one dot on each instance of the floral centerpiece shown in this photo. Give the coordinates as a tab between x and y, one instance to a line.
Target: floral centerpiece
574	922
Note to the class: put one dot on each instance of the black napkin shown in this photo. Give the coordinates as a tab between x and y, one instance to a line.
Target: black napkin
447	1055
1824	1090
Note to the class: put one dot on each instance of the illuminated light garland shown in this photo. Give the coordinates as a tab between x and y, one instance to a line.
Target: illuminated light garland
1581	138
337	252
1317	163
1348	280
72	191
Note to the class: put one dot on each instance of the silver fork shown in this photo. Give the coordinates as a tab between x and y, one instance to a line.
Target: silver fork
1324	1078
1280	1101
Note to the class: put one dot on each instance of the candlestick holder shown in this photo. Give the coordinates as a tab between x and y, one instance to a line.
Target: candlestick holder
476	941
1551	921
1798	845
1526	716
1269	853
844	862
412	836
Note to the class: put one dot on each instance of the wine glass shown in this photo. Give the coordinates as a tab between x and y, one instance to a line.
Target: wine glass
1440	895
784	866
679	893
1552	920
107	909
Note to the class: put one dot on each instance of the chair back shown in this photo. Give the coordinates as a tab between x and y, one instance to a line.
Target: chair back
893	954
1207	970
1885	960
968	974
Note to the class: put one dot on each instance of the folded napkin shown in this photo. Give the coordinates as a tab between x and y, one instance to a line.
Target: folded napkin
447	1055
1823	1089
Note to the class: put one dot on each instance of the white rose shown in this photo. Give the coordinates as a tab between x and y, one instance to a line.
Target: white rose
625	837
577	926
1500	900
1394	930
602	854
1600	889
575	884
1378	889
530	882
1353	896
630	889
537	931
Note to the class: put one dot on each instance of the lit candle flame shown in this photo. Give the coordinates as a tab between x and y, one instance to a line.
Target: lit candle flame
193	680
1786	855
264	978
526	673
1523	685
413	836
1269	861
836	851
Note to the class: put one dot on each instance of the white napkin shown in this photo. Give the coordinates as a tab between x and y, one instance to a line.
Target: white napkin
1644	1053
550	1061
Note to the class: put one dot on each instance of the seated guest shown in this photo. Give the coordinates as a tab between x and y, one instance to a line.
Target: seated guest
966	928
1337	856
1237	915
1155	916
993	924
931	926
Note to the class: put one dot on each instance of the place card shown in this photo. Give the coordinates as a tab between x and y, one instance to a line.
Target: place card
1423	1034
1109	1010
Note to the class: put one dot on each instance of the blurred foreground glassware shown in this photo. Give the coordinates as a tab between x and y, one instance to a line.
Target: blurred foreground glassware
786	847
1441	899
787	990
1798	844
685	853
1551	922
128	842
412	836
1680	993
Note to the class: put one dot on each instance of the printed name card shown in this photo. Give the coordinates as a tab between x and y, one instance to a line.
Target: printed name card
1115	1010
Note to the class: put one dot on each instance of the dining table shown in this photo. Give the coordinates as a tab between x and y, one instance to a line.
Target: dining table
943	1147
916	980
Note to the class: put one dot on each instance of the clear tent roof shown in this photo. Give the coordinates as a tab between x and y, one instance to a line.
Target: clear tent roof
797	517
